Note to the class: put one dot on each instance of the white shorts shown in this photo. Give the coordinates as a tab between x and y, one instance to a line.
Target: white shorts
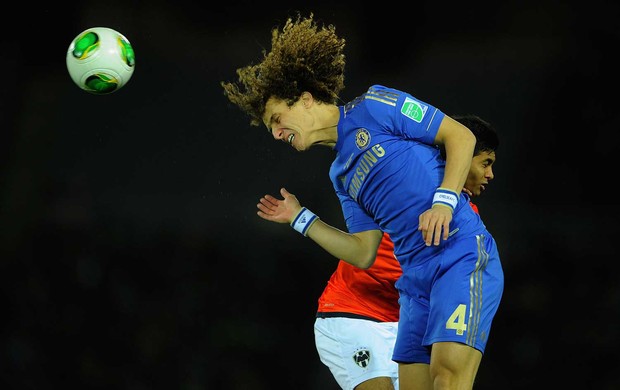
356	350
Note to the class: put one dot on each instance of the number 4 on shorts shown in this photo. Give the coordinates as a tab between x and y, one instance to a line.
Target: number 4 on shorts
457	320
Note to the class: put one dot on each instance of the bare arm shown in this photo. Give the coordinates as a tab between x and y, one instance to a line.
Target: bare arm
459	143
358	249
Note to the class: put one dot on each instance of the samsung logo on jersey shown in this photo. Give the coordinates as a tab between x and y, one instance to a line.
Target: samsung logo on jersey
365	164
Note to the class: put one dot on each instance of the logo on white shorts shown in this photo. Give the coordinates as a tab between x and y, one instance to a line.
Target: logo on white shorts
361	357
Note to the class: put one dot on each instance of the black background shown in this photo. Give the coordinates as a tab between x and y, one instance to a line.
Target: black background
131	253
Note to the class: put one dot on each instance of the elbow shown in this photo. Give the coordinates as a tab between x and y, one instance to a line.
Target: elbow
364	251
468	136
366	262
471	138
361	262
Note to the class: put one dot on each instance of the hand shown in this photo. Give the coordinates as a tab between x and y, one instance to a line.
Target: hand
468	192
279	210
435	224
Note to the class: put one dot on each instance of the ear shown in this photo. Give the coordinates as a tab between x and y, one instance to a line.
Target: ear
307	99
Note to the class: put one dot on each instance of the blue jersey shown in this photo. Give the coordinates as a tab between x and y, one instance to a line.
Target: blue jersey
387	170
385	174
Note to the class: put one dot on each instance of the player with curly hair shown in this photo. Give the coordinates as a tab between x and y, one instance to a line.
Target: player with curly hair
389	176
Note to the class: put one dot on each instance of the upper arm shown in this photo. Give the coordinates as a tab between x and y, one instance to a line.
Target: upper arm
451	129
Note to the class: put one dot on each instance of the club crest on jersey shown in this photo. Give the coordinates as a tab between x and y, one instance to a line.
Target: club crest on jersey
362	138
361	357
413	109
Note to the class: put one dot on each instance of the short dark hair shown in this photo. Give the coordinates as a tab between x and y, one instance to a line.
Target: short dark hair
487	139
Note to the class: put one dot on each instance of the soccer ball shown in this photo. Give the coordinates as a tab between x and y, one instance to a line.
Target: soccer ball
100	60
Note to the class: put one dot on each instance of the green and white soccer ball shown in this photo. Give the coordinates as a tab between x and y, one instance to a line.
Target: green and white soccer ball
100	60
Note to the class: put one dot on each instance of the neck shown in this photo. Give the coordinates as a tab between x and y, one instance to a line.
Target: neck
328	135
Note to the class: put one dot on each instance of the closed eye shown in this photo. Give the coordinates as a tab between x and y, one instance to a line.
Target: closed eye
274	119
488	162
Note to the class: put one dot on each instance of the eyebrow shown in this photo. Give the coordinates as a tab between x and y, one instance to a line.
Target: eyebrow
269	122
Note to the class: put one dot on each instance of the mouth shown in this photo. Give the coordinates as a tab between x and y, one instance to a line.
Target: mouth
290	139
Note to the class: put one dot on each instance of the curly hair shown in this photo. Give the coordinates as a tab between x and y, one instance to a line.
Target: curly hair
304	57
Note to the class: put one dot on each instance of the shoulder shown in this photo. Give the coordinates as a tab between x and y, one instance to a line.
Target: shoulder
377	100
378	89
382	96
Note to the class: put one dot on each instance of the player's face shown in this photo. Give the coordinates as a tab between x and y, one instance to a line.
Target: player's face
480	172
288	124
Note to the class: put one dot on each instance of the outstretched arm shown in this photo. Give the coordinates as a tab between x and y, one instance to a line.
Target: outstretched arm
358	249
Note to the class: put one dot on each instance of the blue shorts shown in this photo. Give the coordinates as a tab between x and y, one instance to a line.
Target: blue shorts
451	297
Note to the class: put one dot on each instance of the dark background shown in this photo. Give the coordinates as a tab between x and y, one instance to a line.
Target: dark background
131	253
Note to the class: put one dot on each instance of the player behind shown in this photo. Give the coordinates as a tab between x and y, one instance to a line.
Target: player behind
357	316
389	177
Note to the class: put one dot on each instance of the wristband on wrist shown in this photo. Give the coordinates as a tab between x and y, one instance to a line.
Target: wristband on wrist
446	197
303	221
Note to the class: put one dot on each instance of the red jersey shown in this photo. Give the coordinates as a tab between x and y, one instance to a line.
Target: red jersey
367	293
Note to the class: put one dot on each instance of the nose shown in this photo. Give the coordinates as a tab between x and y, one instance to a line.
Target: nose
490	174
277	133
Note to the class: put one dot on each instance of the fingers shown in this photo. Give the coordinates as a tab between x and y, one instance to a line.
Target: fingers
268	210
435	225
427	225
445	227
265	207
269	201
423	227
278	210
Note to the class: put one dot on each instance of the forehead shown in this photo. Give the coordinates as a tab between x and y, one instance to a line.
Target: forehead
486	155
272	106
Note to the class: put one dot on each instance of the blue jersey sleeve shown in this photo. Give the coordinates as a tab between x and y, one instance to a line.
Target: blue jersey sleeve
407	117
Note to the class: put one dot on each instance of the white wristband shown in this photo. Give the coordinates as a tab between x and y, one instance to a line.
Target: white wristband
303	221
446	197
